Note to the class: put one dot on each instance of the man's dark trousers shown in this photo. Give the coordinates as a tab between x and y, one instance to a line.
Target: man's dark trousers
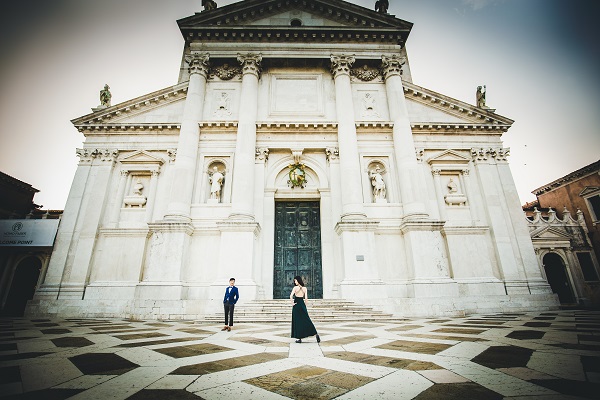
229	312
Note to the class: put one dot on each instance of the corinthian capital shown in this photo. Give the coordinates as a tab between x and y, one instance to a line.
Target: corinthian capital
340	65
392	65
250	63
86	155
108	155
198	63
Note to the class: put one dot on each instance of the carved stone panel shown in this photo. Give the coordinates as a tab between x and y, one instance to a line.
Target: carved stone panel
296	95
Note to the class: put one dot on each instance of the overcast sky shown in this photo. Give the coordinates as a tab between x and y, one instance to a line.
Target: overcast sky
540	60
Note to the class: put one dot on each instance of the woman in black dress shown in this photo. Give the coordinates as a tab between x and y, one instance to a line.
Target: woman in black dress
302	326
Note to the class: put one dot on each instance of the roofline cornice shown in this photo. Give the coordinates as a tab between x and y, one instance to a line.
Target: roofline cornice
580	173
291	34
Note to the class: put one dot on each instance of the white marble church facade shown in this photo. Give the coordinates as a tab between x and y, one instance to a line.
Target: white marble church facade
294	143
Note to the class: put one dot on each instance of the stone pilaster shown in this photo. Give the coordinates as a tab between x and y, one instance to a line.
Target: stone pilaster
439	193
51	283
352	201
92	206
404	146
152	195
187	147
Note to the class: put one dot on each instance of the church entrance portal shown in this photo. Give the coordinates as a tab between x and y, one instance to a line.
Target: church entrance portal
557	278
297	248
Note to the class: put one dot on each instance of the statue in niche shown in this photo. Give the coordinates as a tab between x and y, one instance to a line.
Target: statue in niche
381	6
209	5
105	96
216	183
454	196
452	186
480	96
378	184
138	187
136	199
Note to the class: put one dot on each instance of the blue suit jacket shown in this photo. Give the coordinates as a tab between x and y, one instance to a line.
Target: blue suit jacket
233	296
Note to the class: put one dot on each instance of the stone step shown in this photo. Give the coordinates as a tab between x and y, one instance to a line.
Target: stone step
321	310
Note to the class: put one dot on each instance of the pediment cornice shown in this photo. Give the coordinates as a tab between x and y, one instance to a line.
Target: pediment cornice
106	117
550	232
593	168
235	23
457	108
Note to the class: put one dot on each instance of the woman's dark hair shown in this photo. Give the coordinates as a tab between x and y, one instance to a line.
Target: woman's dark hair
299	279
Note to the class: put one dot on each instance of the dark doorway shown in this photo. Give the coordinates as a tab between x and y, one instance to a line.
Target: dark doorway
557	278
23	286
297	248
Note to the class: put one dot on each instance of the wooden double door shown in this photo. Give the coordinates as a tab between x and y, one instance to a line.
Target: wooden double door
297	248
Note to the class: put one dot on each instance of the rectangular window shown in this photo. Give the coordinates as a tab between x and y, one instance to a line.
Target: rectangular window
587	266
595	206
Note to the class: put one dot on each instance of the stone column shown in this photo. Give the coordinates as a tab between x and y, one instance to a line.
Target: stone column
187	147
169	239
240	231
357	234
243	179
352	200
404	146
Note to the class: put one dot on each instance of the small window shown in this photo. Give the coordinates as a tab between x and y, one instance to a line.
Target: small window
296	22
587	266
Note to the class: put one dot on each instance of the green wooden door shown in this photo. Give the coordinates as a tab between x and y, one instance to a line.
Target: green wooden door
297	248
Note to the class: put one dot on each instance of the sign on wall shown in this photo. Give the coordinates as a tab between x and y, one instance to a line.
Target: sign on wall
28	232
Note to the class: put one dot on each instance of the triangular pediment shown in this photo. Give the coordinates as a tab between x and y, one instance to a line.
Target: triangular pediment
274	13
160	106
448	157
550	233
427	106
297	20
590	190
141	157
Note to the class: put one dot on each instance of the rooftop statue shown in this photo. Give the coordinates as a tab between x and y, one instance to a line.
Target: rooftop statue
381	6
480	97
105	96
209	5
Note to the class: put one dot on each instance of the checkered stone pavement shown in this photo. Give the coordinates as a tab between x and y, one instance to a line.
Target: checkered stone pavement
551	355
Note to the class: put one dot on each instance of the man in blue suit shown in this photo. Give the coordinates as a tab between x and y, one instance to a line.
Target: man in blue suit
231	297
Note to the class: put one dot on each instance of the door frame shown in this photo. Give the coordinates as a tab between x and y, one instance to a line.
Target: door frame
320	248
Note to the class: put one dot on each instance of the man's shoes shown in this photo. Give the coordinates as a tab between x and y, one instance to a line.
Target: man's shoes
224	329
318	339
229	329
299	341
